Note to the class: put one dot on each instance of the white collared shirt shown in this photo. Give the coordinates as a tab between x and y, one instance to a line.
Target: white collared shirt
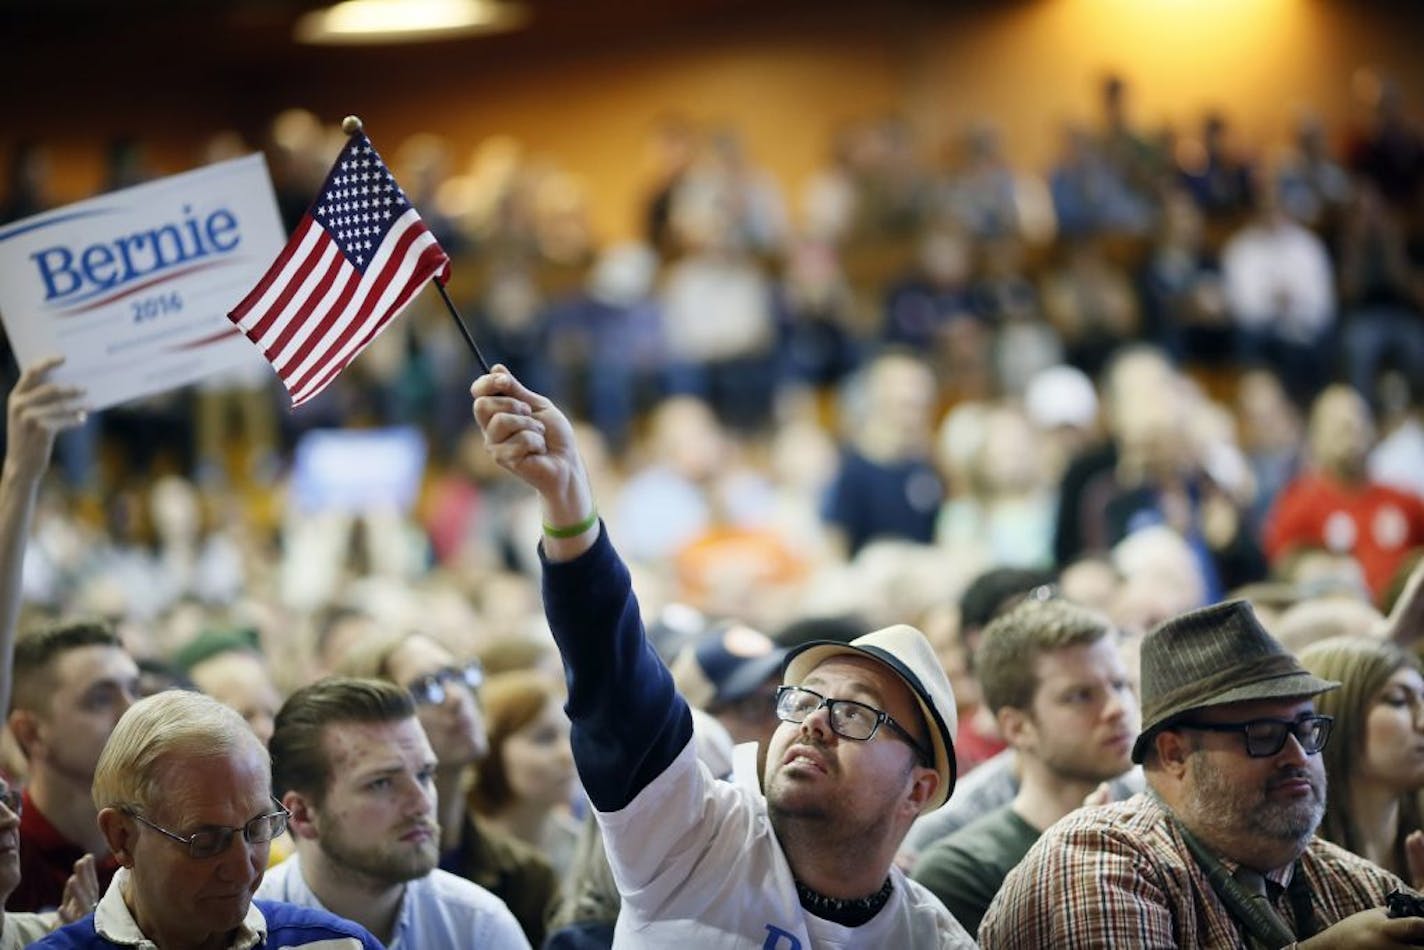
439	911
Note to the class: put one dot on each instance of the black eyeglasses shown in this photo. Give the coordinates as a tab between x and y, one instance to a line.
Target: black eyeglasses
430	690
848	718
1266	737
214	840
11	797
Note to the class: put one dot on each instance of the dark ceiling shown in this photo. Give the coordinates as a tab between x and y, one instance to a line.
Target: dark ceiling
245	23
75	70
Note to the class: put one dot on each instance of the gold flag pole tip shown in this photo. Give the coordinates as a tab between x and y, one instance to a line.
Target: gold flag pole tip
351	124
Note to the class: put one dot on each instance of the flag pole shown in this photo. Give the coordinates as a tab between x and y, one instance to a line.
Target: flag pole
351	125
464	330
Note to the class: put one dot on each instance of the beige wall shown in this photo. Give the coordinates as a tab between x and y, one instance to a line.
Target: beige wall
1035	65
785	77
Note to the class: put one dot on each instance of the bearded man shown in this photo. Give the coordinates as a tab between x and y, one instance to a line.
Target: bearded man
798	856
1221	850
355	769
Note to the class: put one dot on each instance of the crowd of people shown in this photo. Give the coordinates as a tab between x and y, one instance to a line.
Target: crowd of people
1055	540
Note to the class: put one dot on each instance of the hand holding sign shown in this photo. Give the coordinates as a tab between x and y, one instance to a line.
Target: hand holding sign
39	409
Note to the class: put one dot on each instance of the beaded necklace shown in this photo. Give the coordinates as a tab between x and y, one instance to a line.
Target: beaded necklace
848	912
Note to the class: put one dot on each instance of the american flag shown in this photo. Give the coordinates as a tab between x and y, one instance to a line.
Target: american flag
356	259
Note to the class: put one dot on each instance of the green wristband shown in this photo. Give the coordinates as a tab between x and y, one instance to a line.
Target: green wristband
573	530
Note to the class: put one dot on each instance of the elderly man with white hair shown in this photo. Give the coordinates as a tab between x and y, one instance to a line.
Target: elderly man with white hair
184	794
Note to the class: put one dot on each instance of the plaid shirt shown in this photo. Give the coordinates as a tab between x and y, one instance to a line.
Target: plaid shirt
1121	876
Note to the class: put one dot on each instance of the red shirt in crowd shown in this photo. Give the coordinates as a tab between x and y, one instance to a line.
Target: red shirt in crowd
1375	523
972	747
46	862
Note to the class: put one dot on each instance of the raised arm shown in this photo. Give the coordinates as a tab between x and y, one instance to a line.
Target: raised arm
1405	624
629	724
37	410
529	437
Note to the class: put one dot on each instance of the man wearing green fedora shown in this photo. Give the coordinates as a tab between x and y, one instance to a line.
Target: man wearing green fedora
1221	850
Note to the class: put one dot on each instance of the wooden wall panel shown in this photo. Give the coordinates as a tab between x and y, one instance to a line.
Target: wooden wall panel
785	74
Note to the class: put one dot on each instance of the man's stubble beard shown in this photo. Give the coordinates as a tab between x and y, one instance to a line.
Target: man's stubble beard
818	821
387	865
1066	769
1232	812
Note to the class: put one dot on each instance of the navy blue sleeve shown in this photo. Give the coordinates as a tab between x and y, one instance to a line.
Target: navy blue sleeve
629	722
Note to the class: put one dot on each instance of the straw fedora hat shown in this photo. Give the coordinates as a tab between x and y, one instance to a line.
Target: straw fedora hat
909	656
1210	657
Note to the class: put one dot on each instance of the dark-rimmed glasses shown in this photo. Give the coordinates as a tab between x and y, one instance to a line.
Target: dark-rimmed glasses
210	841
848	718
1266	737
429	689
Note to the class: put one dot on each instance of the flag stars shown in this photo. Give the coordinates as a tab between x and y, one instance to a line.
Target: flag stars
361	200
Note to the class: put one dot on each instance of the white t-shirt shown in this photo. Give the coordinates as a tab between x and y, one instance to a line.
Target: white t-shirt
699	866
1279	278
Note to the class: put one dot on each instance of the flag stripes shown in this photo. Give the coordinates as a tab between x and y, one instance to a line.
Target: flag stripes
354	262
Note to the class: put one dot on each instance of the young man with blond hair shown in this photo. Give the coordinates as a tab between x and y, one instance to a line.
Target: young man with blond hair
1054	678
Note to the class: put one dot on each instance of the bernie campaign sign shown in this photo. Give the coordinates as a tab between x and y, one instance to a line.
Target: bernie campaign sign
133	287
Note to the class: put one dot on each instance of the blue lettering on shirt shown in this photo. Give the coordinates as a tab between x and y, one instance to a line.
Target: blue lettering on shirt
774	937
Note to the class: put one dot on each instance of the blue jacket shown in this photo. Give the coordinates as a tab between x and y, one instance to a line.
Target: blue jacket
287	926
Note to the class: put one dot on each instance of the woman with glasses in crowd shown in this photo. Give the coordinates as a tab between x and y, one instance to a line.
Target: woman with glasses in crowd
1375	766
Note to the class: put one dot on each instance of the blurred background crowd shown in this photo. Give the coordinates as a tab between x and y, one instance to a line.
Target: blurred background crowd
1162	363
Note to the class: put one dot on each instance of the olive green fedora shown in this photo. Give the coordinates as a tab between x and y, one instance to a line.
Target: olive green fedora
1210	657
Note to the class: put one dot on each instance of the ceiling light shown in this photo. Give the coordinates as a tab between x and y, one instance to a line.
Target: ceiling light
406	21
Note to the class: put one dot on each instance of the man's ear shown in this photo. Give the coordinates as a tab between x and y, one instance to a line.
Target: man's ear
119	831
25	727
1173	749
304	823
1016	726
923	784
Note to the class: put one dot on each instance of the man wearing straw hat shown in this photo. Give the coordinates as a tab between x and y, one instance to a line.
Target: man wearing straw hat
865	744
1221	850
